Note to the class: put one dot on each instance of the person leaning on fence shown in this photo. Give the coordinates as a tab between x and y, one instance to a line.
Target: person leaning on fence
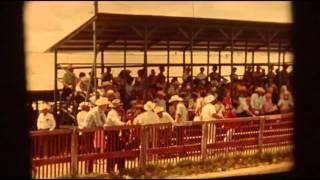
147	117
45	122
84	108
113	136
242	109
96	118
209	111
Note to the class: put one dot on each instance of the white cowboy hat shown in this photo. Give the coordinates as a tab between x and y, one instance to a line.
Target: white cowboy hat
110	92
208	99
102	101
106	83
260	89
161	93
83	104
158	109
175	98
44	106
149	106
115	103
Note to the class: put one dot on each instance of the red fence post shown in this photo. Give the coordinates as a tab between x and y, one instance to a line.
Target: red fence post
261	130
204	141
74	153
143	147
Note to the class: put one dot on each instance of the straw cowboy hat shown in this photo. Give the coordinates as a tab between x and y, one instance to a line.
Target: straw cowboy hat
110	92
83	104
106	83
209	99
176	83
102	101
44	106
161	93
158	109
115	103
149	106
175	98
260	89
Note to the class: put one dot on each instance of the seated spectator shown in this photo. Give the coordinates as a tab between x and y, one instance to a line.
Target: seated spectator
160	99
84	108
285	103
257	101
46	120
242	109
268	106
163	115
174	88
107	76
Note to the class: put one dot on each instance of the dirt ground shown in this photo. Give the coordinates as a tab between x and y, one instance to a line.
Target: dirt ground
263	169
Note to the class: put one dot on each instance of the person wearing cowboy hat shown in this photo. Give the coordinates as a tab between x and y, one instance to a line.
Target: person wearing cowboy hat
147	117
114	115
111	95
209	110
96	116
164	117
46	120
257	101
159	100
84	108
181	112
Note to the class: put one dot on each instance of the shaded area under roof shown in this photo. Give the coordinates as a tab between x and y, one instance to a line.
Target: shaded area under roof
116	32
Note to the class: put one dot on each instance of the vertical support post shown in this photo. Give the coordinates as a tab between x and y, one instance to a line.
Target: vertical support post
231	58
145	56
219	60
74	153
246	54
102	61
252	59
191	52
261	130
208	57
184	58
204	141
168	68
268	50
125	55
284	57
279	55
55	93
143	147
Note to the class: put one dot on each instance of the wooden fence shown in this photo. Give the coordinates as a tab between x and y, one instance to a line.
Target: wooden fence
74	152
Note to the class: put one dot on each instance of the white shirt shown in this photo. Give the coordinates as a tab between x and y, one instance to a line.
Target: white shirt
285	105
201	76
148	117
182	111
166	118
81	119
242	105
199	104
220	110
256	101
95	118
113	118
207	111
46	121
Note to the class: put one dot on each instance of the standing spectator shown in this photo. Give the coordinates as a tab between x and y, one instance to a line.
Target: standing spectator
201	76
69	82
187	74
152	77
181	114
271	74
147	117
215	77
247	76
84	108
257	101
209	110
161	78
164	117
174	88
107	76
160	100
284	76
46	120
234	76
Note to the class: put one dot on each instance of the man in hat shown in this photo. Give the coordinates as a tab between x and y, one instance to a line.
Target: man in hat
164	117
96	116
242	109
147	117
160	101
46	120
181	114
69	82
114	142
201	76
257	101
209	110
84	108
111	95
174	88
